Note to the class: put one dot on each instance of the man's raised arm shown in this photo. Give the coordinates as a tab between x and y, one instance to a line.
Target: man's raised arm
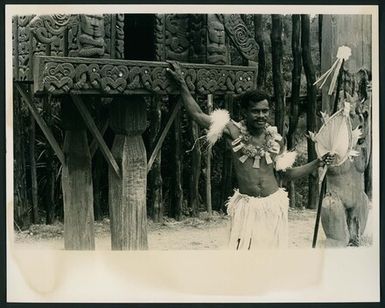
189	102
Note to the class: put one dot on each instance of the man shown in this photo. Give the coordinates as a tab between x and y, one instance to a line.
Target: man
259	208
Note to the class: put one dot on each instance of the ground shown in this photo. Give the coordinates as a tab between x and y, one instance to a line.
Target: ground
189	234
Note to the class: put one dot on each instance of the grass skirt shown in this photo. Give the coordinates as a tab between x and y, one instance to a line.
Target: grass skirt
258	222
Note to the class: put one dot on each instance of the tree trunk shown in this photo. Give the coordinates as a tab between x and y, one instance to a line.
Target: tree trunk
227	169
295	91
258	30
155	176
127	193
311	109
21	203
49	193
208	163
77	182
276	46
296	79
97	179
195	169
177	194
34	193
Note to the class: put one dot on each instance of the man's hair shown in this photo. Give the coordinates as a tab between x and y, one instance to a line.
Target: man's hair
253	96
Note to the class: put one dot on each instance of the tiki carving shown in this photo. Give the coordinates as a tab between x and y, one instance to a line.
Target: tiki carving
240	36
216	45
198	28
91	37
176	40
109	21
106	76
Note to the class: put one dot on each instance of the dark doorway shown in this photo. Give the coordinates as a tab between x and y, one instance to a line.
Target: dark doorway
139	37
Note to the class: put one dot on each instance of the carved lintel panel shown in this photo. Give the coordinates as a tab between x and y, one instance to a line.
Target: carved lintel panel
59	75
176	37
240	36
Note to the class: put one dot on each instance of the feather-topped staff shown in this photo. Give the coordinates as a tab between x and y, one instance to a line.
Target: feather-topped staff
343	54
335	136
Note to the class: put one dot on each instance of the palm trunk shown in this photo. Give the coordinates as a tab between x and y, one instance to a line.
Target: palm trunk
258	29
311	116
155	176
276	46
177	199
34	192
195	169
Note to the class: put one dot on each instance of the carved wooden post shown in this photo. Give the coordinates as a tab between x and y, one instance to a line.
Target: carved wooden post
77	182
127	194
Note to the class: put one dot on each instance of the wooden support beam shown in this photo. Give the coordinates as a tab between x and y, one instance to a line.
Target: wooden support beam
44	127
94	143
163	135
95	132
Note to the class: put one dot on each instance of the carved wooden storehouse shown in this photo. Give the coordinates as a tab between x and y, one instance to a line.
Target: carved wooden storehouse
85	61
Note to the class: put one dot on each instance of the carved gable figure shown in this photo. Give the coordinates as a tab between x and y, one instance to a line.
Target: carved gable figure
91	38
216	48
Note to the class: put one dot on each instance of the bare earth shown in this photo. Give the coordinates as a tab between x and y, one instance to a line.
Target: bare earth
189	234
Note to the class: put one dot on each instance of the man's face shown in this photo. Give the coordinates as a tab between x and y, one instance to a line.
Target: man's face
257	114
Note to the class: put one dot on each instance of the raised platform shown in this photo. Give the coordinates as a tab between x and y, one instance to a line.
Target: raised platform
70	75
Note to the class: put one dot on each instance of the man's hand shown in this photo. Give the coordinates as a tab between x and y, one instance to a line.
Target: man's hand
327	159
176	72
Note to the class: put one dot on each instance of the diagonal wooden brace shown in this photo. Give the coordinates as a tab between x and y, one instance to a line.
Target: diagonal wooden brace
44	127
163	135
95	133
94	143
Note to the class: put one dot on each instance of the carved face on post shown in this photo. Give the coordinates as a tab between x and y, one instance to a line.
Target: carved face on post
93	25
216	32
91	38
216	47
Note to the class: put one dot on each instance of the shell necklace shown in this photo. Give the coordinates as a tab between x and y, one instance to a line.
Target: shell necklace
249	150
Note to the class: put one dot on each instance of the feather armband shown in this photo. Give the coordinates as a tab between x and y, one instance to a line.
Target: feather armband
285	160
219	119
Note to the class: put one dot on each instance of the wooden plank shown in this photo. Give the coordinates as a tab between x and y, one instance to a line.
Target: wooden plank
44	127
94	143
163	135
96	134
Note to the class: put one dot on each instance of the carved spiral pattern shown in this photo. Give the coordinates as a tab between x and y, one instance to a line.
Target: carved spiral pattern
241	36
119	78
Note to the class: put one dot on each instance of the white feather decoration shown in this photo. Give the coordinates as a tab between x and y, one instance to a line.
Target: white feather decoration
285	160
356	134
219	120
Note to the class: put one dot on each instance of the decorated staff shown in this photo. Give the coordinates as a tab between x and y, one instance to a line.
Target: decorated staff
336	135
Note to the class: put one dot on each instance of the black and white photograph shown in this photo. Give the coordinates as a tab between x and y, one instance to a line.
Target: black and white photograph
191	143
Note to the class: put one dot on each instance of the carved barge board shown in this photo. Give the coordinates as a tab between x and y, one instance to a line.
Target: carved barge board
240	35
62	75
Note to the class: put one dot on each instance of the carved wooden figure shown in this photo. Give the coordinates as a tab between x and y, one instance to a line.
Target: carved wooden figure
346	205
216	45
91	37
127	194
